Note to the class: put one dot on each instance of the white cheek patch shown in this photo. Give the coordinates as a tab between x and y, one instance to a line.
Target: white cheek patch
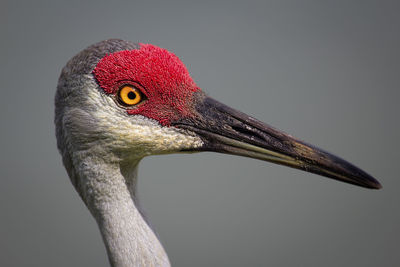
138	134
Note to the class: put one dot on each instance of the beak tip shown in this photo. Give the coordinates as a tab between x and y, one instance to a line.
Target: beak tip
373	184
377	185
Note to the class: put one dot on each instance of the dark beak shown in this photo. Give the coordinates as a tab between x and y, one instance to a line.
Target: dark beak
229	131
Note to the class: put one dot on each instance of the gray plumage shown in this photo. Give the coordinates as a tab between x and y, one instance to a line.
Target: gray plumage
100	173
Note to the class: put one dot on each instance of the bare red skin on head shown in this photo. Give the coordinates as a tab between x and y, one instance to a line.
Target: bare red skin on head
158	73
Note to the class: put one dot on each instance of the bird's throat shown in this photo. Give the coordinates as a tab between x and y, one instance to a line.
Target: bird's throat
108	190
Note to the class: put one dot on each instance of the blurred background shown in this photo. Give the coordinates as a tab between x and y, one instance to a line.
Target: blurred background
327	72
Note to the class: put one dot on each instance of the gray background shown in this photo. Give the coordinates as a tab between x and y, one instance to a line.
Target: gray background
325	71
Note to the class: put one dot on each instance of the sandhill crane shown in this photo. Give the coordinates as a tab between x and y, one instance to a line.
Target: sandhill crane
119	101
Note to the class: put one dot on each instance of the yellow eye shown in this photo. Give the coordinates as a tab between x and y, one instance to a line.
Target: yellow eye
129	95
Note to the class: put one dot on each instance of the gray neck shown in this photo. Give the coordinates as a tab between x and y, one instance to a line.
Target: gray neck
108	190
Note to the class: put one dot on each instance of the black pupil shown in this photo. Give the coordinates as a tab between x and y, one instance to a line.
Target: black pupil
131	95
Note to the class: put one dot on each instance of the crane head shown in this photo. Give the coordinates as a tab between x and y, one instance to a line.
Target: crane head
125	101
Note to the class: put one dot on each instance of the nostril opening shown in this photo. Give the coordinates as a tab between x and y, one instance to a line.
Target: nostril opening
251	133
